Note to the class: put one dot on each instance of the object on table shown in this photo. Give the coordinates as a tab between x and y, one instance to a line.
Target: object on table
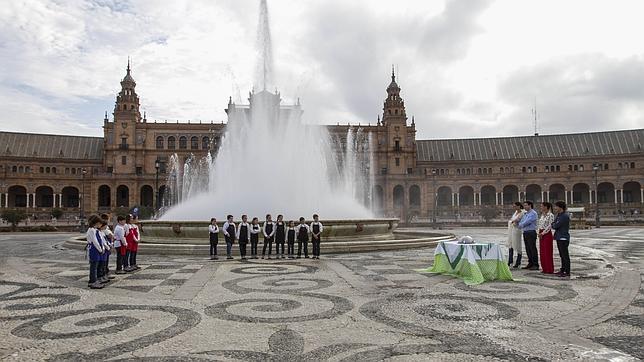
466	240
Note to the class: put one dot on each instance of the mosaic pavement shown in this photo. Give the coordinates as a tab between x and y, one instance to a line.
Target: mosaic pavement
370	306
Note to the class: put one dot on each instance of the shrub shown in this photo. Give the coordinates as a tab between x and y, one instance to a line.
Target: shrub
14	217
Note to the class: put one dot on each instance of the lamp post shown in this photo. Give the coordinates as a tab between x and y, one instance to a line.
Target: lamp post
435	198
157	165
597	221
81	216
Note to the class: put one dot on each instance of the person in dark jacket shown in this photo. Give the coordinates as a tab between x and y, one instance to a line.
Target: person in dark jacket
561	226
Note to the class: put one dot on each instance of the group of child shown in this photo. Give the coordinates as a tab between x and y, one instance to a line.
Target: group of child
278	232
102	242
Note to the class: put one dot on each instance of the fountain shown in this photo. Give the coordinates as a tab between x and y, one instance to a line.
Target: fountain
269	161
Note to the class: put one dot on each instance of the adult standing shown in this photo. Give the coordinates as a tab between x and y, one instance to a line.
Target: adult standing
514	235
528	226
545	238
561	226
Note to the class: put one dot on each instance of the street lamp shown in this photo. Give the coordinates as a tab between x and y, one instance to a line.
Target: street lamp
435	198
596	169
82	201
157	165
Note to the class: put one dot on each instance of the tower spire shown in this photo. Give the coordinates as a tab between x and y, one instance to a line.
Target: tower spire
393	73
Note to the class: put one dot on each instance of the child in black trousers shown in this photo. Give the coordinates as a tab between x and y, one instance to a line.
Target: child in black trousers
316	232
290	236
280	236
254	237
229	235
243	235
302	238
213	230
269	234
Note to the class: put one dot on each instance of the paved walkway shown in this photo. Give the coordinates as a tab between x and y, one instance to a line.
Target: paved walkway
371	306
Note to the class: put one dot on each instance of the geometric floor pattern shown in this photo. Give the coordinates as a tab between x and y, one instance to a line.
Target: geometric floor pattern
367	306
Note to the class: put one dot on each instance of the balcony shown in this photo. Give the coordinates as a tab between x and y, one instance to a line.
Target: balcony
124	146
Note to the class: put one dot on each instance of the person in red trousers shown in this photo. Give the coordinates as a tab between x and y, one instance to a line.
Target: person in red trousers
545	238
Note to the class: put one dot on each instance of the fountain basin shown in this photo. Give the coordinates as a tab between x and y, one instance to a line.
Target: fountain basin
339	236
196	232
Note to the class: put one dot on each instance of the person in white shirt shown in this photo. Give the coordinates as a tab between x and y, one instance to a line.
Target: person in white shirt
109	236
243	235
120	244
269	234
302	238
213	230
254	237
229	235
94	251
291	235
316	232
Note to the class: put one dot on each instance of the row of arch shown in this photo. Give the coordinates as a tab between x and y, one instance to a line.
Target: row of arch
69	197
171	143
581	193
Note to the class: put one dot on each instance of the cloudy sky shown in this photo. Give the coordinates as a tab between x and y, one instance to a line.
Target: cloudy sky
466	68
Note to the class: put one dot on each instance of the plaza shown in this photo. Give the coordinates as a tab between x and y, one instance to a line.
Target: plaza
344	307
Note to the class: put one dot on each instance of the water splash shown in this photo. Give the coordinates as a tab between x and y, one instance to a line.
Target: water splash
270	162
264	71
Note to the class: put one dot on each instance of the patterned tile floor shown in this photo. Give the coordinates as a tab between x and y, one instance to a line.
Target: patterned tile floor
368	306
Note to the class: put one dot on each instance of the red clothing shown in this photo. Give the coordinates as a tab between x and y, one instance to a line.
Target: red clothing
132	235
545	253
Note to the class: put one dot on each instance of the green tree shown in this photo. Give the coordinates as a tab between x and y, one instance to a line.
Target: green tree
13	217
488	213
56	213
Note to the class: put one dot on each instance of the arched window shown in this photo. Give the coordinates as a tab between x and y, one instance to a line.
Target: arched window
194	143
183	143
159	143
171	143
21	169
205	143
47	170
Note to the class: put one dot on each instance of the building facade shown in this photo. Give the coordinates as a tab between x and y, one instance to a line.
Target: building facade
446	179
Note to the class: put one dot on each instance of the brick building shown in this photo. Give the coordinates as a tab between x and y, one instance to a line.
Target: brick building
443	178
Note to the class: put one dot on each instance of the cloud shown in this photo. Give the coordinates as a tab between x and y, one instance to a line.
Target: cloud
587	92
464	67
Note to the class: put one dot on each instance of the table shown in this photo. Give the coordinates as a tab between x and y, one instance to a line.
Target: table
474	263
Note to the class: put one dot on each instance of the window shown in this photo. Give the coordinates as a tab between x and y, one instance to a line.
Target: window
171	143
397	145
501	169
410	171
632	164
21	169
53	170
547	168
183	143
558	168
576	168
469	171
73	171
194	143
489	170
123	160
28	169
66	170
569	167
139	170
42	169
605	166
458	171
110	169
480	171
485	171
397	161
581	167
523	169
383	171
534	168
159	143
619	165
442	171
205	142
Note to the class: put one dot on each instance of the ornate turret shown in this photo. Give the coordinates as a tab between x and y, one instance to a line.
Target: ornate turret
394	106
127	101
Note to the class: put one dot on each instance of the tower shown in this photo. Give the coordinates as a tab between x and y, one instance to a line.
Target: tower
127	101
122	136
401	138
